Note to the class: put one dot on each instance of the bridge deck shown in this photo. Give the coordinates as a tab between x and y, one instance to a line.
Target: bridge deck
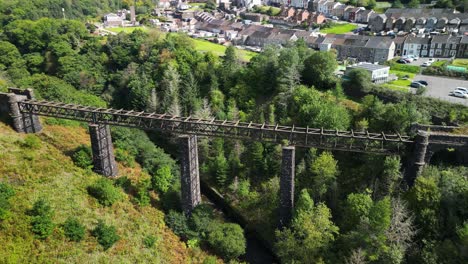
299	136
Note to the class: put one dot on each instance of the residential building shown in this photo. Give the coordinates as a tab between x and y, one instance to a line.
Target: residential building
378	73
339	11
377	22
463	47
331	6
316	18
302	4
399	43
415	46
364	16
113	20
354	12
322	6
347	11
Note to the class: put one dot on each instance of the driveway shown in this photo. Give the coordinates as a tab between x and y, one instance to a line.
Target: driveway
439	87
420	61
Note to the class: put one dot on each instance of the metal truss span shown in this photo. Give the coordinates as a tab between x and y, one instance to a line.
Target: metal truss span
299	136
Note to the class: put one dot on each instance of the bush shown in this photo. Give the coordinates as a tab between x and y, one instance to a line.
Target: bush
162	179
149	241
142	196
124	157
6	192
403	67
106	235
104	192
41	222
228	240
32	142
201	220
73	229
178	223
83	157
210	260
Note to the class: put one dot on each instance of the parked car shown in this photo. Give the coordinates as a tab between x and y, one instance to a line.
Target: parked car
402	61
413	57
426	64
431	60
408	59
406	77
335	18
458	94
462	89
417	85
422	82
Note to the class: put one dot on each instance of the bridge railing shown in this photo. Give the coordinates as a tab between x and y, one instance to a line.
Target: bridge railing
356	141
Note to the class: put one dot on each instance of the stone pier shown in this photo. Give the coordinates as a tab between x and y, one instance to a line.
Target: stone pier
189	178
287	186
418	157
103	150
21	122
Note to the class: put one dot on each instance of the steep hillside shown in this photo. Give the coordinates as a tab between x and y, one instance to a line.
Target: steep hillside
42	169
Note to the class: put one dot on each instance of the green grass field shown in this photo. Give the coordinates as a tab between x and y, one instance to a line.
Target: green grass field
400	84
339	28
460	63
127	29
217	49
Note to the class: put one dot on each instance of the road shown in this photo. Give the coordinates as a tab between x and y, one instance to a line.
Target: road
439	87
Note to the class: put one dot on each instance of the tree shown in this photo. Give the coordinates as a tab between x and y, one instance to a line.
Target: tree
413	4
162	179
397	4
106	234
220	168
310	234
104	192
170	88
358	80
82	157
371	4
318	70
289	72
228	240
325	170
390	176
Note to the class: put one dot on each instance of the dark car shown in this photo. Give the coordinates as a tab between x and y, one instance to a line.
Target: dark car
417	85
402	61
422	82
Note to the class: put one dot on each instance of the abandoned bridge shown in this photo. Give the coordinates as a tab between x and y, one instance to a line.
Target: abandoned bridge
24	110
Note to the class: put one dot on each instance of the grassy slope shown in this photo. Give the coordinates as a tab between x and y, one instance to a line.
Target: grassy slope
47	172
219	50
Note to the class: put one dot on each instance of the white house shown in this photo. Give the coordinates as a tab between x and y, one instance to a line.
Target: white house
299	4
415	46
379	73
322	6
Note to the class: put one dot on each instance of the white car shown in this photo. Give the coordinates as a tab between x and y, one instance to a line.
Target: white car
413	57
426	64
431	60
407	58
461	89
458	94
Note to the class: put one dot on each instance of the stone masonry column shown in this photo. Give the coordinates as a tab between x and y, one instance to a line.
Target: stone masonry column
418	158
189	178
22	122
103	150
287	186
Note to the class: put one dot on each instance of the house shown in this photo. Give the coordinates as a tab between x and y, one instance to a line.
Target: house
301	4
255	17
399	43
353	13
339	11
331	6
463	48
377	22
316	18
378	73
347	11
164	4
322	6
390	24
290	12
415	46
364	16
113	20
409	24
438	44
380	49
302	15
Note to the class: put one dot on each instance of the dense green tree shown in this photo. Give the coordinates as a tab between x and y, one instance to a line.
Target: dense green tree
228	240
41	219
106	234
413	4
397	4
104	192
358	80
73	229
324	171
319	70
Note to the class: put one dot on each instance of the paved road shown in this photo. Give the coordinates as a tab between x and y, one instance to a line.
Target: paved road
439	87
420	61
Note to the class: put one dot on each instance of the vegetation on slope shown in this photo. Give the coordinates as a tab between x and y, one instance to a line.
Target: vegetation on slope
41	170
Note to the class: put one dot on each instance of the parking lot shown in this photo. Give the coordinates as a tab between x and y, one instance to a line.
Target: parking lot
420	61
440	87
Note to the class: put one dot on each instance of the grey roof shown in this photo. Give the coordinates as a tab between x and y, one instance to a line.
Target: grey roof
454	40
464	40
367	12
369	66
416	40
440	39
379	43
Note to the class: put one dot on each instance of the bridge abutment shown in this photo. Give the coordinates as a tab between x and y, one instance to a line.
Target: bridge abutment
190	177
21	122
103	150
418	158
287	186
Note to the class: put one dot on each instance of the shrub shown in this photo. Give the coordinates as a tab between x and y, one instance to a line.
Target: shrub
142	196
179	224
32	142
106	235
201	220
104	192
41	222
73	229
210	260
162	179
124	157
83	157
6	192
149	241
228	240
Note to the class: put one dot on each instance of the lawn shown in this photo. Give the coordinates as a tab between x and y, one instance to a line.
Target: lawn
460	63
217	49
196	6
126	29
400	84
339	28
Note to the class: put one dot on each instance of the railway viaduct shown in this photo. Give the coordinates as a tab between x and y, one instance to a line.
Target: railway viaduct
24	111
